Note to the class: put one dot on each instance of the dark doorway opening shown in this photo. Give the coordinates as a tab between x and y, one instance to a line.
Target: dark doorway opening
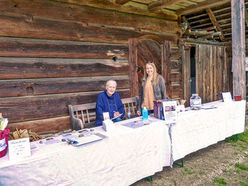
192	71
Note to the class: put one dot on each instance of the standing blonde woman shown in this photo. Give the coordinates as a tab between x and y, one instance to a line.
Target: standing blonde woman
153	88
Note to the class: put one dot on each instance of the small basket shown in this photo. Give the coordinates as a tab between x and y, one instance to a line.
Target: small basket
4	135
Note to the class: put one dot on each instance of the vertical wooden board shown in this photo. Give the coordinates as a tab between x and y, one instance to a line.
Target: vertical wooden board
211	87
215	83
225	81
133	76
229	67
207	75
218	73
186	73
199	71
221	70
165	63
197	63
238	47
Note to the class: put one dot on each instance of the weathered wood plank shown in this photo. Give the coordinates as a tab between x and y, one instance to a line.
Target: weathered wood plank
186	73
86	15
43	107
238	47
211	75
166	66
13	25
14	68
28	87
199	71
44	125
219	72
20	47
133	63
214	68
204	71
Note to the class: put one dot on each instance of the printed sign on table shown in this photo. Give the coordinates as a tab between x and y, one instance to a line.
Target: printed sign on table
19	149
226	97
169	111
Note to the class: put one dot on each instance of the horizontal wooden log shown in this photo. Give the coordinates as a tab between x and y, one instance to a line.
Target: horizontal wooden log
43	107
43	126
28	87
15	68
21	47
13	25
86	14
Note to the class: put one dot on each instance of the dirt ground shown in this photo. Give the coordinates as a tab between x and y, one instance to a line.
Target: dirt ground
225	163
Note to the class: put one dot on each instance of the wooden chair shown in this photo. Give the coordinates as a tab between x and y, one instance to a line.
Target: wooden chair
84	115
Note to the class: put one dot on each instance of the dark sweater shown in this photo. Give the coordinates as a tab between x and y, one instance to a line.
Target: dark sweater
108	104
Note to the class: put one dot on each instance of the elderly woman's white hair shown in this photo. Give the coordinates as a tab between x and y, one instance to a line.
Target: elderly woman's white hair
111	81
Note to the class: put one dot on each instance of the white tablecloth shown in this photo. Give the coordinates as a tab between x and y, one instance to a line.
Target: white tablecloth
122	158
197	129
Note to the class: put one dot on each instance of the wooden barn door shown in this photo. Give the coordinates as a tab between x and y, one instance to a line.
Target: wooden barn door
213	72
148	50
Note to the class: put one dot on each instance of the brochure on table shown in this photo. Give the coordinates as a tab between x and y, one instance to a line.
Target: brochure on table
19	149
226	97
169	111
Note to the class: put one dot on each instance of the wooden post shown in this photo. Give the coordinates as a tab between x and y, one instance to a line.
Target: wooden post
133	63
238	47
186	73
166	67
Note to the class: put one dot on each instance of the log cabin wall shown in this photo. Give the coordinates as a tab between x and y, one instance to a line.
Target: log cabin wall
54	54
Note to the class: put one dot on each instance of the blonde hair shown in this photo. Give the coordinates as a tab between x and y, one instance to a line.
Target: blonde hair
155	74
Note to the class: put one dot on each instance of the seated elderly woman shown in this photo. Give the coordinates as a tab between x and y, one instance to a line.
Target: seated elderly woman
109	101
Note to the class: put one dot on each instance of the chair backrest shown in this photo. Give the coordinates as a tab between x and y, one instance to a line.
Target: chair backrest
85	114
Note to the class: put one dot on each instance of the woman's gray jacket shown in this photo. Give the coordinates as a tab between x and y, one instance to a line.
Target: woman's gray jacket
159	90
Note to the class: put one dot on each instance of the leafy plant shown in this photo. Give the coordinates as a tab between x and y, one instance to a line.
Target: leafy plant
244	183
220	181
187	171
241	166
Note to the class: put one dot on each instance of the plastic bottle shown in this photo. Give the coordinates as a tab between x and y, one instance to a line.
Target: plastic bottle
195	102
161	113
128	113
144	113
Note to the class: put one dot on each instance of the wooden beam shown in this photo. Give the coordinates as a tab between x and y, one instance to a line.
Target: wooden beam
215	23
121	2
106	5
201	6
238	47
158	5
246	17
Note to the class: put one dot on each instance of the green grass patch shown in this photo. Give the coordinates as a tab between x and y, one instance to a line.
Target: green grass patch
229	171
202	172
243	137
241	166
244	183
220	181
186	171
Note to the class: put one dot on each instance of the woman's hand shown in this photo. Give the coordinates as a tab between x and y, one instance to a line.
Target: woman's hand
138	112
116	114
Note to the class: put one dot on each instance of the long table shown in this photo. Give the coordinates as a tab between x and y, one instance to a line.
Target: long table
197	129
126	155
122	158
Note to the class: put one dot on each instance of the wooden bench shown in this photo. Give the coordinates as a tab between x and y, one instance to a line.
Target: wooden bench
84	115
